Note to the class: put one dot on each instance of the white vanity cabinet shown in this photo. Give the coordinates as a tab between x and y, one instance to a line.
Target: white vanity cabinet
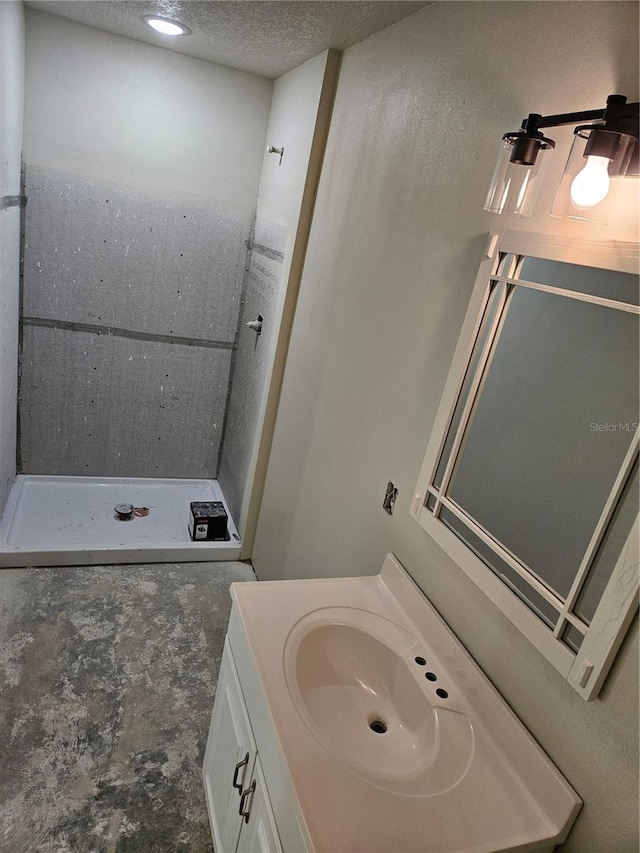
297	760
240	812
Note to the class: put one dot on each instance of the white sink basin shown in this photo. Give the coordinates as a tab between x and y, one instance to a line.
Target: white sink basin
354	680
392	738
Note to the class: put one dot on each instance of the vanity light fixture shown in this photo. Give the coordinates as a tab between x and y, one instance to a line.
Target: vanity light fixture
605	149
166	26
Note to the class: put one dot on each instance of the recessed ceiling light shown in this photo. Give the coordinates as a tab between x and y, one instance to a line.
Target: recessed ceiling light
166	26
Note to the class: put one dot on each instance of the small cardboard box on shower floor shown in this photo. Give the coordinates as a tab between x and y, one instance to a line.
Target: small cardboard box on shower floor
208	520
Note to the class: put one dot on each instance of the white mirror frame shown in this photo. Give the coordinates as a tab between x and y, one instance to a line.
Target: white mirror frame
586	670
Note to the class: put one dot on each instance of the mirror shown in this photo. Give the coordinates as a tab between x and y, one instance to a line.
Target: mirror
533	465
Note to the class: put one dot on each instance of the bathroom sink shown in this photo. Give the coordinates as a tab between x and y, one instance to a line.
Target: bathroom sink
354	679
388	735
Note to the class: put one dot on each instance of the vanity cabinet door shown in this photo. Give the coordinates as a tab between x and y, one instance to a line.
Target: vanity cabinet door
259	833
229	759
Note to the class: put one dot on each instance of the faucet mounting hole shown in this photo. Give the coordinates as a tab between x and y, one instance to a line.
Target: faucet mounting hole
378	726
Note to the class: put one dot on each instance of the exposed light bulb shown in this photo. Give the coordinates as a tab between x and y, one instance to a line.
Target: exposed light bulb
592	183
166	27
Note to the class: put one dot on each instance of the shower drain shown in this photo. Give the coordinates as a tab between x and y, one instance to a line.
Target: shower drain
125	512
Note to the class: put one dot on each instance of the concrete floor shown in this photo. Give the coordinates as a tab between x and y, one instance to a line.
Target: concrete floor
107	680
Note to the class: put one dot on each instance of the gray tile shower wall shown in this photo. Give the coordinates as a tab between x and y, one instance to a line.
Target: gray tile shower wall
12	38
252	358
129	313
103	405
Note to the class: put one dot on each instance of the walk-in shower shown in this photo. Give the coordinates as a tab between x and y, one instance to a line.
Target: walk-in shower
141	171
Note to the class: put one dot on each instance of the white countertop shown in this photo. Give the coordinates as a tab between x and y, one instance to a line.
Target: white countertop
507	796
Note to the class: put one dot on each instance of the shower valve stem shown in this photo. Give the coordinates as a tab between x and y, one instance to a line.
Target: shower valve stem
256	325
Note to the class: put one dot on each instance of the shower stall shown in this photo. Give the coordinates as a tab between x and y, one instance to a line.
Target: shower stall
145	253
57	520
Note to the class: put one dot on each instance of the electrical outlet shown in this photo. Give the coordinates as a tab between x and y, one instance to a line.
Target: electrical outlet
390	498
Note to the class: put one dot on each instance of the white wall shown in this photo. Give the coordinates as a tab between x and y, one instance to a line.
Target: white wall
119	110
11	109
298	122
292	124
395	244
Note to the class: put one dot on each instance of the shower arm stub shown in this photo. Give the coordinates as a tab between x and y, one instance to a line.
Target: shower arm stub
271	149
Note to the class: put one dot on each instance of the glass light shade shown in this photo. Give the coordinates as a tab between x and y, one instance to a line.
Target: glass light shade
514	187
597	163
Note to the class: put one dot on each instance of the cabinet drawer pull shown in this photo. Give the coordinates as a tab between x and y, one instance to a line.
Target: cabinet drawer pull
239	765
245	794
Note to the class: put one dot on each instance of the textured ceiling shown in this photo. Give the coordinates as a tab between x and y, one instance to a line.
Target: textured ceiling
266	38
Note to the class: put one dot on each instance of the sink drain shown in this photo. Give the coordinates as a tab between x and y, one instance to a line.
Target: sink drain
378	726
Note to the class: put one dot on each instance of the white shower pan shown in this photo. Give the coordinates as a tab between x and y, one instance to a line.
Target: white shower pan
70	521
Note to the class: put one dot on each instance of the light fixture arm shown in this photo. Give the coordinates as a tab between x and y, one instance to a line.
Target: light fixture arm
535	121
617	111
